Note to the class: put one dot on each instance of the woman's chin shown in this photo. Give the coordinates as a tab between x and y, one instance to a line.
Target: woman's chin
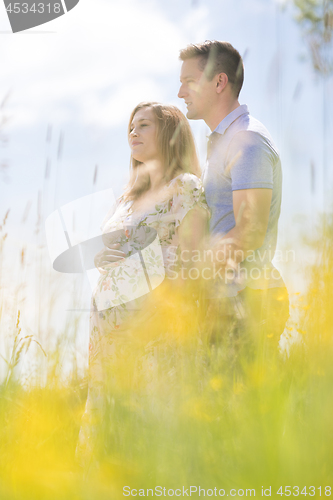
138	158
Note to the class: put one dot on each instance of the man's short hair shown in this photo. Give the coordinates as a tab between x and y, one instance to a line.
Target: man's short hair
217	57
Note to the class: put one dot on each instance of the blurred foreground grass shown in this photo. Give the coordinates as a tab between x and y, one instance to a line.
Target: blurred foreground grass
267	422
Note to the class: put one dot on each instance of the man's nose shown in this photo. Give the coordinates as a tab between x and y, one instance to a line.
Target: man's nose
181	93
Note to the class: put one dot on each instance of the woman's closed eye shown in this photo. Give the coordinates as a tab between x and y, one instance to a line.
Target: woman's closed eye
140	126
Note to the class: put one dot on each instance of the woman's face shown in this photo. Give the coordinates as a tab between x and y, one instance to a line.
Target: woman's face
143	136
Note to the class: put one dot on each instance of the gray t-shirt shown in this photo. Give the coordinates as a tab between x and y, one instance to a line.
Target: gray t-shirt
242	155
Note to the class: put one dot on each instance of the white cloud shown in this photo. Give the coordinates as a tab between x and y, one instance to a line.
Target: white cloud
116	108
196	24
97	47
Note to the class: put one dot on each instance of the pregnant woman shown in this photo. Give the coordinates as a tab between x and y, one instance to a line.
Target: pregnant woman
165	194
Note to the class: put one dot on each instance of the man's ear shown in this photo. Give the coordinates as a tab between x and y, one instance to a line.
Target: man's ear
221	82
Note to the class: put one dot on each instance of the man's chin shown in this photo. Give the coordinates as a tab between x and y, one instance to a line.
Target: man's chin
191	115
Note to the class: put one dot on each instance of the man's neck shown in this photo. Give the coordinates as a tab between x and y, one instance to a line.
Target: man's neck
220	112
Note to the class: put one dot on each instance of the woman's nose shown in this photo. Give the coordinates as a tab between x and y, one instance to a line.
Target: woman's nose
133	132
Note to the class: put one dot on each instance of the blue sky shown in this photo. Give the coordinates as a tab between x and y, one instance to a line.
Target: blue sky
82	74
86	76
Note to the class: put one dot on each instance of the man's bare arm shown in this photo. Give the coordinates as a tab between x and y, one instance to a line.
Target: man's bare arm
251	210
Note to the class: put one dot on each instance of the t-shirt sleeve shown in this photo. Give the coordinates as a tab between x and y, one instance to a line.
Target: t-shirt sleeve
188	194
250	161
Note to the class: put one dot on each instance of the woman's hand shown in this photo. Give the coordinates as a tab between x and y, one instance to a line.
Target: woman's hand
107	257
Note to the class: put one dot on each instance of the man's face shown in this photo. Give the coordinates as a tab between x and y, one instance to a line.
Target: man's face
198	93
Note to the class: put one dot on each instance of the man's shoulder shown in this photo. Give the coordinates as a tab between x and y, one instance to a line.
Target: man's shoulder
251	130
247	122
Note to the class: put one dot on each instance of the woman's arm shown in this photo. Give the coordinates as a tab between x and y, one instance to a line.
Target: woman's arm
192	233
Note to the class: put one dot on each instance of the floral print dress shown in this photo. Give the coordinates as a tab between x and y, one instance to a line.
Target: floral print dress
111	322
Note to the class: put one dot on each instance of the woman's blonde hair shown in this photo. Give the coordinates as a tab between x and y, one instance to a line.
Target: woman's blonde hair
175	144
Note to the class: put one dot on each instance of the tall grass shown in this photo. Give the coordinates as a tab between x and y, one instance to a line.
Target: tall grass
192	413
177	410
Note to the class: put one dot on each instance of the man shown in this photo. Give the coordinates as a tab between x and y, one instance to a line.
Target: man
242	181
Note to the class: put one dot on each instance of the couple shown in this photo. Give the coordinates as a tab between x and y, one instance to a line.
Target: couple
238	198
